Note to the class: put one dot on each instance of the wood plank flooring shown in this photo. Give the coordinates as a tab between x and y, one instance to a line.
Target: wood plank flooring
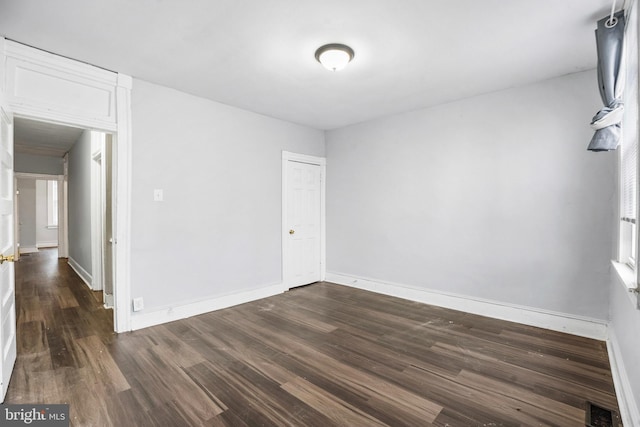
320	355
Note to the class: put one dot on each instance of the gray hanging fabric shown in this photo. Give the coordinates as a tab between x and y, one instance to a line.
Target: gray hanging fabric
609	43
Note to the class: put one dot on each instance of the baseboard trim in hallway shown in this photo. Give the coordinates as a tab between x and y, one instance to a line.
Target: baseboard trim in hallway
81	272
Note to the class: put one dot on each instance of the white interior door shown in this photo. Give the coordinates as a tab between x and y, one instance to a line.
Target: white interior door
303	229
7	249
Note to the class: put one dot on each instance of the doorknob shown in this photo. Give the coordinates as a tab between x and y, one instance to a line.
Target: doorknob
292	231
9	258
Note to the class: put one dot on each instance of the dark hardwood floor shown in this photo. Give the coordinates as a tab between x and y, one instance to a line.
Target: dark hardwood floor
319	355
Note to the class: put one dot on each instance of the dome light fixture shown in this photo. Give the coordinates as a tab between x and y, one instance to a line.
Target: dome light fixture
334	56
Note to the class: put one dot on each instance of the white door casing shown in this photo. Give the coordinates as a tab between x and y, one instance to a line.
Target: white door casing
43	86
303	226
7	248
97	238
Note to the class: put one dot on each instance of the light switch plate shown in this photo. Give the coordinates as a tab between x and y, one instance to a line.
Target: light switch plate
158	195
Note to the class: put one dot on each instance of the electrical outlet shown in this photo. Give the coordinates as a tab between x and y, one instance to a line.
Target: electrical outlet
138	304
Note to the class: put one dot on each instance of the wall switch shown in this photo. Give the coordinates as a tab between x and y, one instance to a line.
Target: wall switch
138	304
158	195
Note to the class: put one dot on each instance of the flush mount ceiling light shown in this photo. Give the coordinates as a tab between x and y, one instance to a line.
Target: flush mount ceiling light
334	56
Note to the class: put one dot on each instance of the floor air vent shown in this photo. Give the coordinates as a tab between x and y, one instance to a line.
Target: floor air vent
599	417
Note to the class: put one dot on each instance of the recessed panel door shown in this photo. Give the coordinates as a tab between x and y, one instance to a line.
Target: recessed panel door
7	251
303	219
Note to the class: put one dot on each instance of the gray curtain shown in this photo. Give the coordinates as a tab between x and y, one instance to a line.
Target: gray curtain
609	43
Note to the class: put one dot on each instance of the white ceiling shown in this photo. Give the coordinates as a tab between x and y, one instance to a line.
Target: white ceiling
44	139
259	54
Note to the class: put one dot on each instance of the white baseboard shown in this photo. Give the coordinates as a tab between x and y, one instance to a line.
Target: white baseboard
47	244
628	406
108	300
562	322
28	249
169	314
84	275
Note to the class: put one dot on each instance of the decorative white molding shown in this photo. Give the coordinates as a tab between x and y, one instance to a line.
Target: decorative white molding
628	406
51	87
28	249
169	314
52	244
562	322
122	241
82	273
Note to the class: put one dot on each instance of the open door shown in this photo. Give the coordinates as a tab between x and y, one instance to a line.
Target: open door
7	251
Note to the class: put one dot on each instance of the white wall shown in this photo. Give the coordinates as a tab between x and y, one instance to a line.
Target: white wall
29	163
80	203
27	214
45	236
218	231
493	197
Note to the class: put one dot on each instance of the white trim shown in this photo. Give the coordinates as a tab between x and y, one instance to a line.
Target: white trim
304	158
97	241
16	213
63	211
52	244
107	300
121	156
627	278
28	249
626	403
22	60
562	322
169	314
36	176
288	156
82	273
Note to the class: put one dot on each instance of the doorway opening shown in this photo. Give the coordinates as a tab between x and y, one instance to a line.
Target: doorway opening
36	212
78	198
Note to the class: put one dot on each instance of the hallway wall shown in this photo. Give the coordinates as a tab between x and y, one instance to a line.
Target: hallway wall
80	205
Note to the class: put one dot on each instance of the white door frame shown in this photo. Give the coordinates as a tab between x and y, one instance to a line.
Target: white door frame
63	213
97	235
287	157
104	105
16	213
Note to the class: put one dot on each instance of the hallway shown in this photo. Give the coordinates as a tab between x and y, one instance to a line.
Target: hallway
62	330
